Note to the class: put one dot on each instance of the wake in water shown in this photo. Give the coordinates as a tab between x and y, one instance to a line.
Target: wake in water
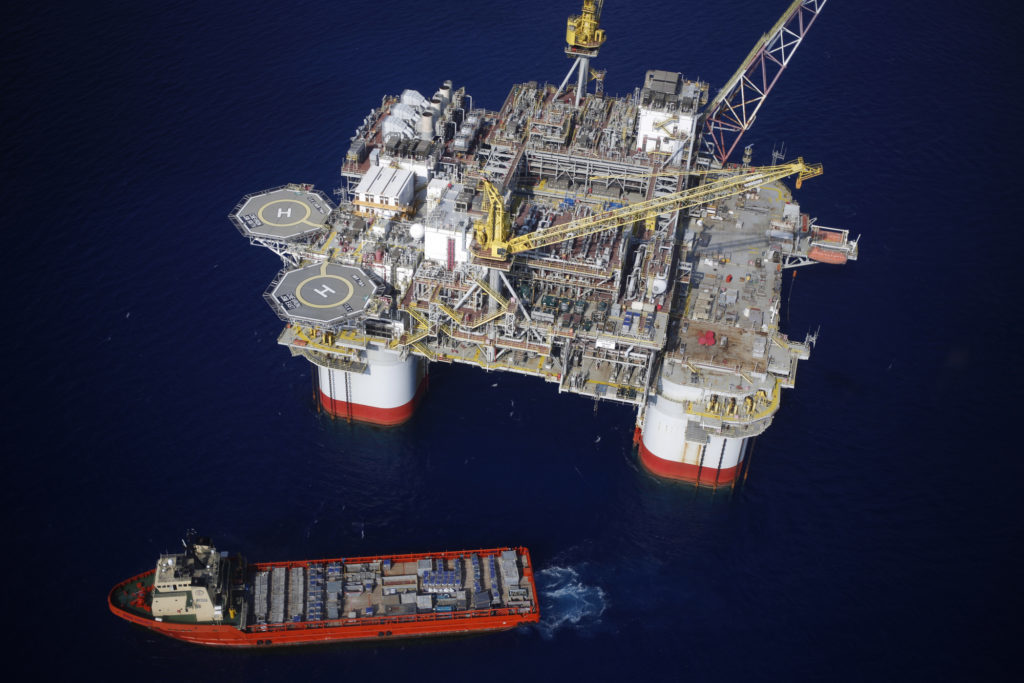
566	602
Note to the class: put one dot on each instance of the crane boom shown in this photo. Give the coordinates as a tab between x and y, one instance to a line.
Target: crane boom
733	110
745	179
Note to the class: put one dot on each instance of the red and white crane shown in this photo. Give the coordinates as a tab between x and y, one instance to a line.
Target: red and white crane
734	109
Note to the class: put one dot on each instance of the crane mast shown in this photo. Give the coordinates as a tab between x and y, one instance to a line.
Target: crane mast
584	38
497	227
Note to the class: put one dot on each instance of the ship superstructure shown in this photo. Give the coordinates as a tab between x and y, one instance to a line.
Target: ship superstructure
603	244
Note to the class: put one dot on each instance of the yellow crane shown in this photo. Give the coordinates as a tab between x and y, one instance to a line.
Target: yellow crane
494	234
584	38
582	32
660	174
496	229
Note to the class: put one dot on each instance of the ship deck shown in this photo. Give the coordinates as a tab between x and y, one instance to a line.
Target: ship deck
406	589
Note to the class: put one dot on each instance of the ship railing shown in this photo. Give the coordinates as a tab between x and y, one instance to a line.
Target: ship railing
406	557
396	619
761	410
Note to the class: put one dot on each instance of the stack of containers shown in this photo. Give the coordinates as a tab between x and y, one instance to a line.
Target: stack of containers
315	593
481	597
260	595
333	589
296	582
509	570
277	581
495	581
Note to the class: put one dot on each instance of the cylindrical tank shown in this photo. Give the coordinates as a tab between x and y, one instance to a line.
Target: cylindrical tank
631	286
444	95
665	452
416	231
445	91
425	127
385	393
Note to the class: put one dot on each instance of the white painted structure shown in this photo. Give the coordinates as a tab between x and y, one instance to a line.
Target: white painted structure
384	393
386	192
692	453
667	116
663	131
447	233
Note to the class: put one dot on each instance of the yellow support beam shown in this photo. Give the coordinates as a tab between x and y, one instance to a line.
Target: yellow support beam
450	312
416	315
425	351
488	318
502	301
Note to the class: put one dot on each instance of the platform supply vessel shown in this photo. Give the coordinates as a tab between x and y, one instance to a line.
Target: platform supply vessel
212	598
605	244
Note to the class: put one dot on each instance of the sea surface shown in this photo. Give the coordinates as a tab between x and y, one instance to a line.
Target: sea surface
877	537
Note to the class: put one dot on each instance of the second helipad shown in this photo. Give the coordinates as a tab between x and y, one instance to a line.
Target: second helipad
324	293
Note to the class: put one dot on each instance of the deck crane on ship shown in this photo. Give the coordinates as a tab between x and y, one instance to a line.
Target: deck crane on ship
604	244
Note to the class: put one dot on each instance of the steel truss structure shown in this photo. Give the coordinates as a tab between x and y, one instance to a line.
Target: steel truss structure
735	107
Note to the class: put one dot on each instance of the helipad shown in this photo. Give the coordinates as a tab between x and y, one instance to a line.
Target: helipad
324	294
283	214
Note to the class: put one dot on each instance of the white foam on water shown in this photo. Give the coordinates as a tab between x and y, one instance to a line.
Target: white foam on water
567	602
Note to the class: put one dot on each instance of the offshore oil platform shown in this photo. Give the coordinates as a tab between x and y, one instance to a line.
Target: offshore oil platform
603	244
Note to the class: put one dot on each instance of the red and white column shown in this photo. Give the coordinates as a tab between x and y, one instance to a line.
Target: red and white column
385	393
665	452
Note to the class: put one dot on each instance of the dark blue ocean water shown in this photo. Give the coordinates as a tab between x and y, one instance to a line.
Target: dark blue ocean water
879	533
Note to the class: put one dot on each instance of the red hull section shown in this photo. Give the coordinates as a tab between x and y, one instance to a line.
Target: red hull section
385	417
302	634
684	472
351	629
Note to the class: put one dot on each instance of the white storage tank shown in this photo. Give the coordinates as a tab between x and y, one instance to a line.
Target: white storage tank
425	128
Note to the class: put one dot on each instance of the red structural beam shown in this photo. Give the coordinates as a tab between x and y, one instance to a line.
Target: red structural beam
735	107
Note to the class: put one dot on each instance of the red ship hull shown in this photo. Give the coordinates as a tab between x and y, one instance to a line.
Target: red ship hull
336	630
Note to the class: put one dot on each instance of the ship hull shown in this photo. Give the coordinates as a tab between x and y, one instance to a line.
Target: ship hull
231	637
